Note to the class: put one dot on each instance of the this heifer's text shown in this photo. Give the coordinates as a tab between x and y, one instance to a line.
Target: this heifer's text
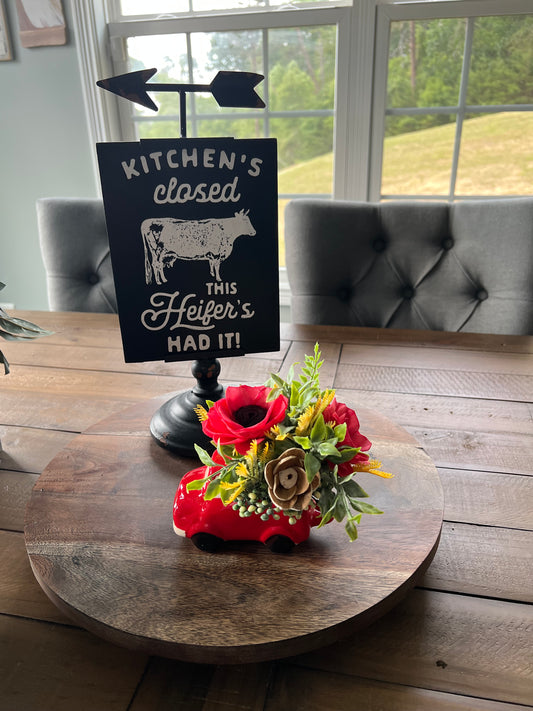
174	311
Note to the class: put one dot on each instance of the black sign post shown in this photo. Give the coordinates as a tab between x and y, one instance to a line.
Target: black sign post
192	226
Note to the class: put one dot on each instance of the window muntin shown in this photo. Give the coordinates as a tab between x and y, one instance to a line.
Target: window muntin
450	84
136	8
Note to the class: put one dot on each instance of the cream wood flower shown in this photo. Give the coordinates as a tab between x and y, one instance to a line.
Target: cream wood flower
288	486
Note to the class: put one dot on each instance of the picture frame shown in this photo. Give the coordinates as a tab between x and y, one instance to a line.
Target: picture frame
5	42
41	23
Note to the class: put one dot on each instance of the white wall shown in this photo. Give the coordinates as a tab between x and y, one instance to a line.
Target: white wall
44	151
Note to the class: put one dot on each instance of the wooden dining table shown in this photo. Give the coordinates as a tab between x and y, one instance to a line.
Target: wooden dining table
461	638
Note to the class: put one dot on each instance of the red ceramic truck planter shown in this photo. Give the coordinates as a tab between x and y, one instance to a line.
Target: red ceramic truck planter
209	523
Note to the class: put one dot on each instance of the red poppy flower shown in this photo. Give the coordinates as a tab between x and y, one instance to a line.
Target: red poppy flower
243	415
339	413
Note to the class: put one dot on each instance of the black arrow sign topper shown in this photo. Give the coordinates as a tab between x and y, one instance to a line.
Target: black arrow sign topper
230	89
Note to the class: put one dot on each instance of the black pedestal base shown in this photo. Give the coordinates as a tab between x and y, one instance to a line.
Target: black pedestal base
175	425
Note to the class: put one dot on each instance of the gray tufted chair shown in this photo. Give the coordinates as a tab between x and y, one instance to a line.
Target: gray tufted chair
75	251
466	266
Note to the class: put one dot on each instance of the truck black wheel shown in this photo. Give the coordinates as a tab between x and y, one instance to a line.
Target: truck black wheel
207	542
279	544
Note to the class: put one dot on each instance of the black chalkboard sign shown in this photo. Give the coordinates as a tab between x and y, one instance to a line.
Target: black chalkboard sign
192	226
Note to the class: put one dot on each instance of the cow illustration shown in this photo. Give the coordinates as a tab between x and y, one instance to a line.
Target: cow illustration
166	239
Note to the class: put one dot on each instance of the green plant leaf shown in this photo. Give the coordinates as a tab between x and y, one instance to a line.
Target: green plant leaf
330	433
319	432
306	395
204	457
326	504
290	374
294	401
304	442
340	510
285	429
346	454
213	490
312	466
229	473
340	432
353	489
196	484
225	495
327	449
351	529
19	328
364	507
326	518
275	380
225	451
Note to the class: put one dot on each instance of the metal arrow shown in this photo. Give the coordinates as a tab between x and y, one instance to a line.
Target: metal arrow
230	89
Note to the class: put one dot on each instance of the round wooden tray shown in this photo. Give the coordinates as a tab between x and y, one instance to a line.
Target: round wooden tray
99	537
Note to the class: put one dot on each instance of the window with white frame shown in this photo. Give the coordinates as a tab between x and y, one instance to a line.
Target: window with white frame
372	100
456	119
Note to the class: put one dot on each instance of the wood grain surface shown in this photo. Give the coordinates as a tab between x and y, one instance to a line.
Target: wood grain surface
100	541
460	640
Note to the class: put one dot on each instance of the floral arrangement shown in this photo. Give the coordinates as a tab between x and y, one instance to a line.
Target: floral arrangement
286	447
16	329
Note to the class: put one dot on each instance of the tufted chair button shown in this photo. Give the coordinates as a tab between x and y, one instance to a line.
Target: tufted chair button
408	292
482	295
93	279
447	243
344	293
379	244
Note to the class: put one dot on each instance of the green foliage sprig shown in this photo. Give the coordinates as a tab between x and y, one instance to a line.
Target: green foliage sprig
17	329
